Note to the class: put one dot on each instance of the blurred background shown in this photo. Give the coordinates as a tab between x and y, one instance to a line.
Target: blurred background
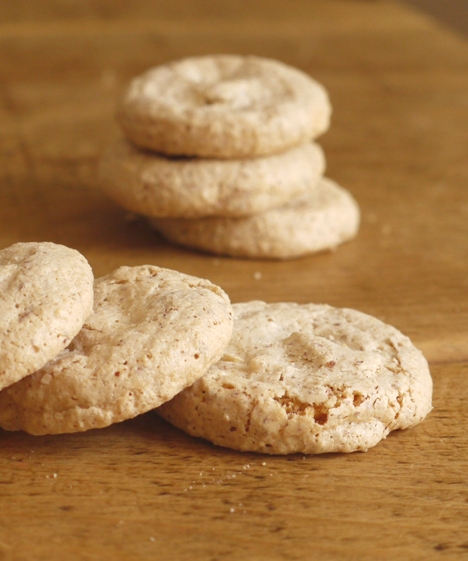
451	12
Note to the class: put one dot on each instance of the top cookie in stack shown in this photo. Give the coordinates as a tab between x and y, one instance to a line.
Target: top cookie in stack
221	155
223	106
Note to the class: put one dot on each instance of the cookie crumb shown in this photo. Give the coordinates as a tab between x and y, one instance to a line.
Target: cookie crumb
46	379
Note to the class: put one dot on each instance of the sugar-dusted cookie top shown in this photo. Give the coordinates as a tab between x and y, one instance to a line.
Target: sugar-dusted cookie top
306	378
155	185
46	293
324	217
223	106
153	332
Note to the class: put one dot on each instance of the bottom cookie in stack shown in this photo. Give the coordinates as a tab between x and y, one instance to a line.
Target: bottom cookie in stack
319	220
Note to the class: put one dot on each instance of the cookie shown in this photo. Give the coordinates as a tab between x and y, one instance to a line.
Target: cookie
306	378
153	332
223	106
46	293
326	216
154	185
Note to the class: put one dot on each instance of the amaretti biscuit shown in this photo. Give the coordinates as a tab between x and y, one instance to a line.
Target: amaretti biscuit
153	332
46	293
326	216
154	185
306	378
223	106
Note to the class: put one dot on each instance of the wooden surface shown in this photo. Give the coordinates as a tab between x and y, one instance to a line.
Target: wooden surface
398	142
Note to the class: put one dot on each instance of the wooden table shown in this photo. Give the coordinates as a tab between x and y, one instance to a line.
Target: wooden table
399	138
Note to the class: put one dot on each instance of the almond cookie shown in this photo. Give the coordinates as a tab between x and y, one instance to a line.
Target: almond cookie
306	378
223	106
154	185
153	332
326	216
46	293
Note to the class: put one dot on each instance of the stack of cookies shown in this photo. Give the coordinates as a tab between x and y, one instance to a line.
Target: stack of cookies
220	155
272	378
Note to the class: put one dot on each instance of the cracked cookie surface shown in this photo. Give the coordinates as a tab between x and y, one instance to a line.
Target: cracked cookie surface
46	293
306	378
223	106
153	332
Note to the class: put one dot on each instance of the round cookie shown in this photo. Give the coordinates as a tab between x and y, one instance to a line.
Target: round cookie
155	185
308	379
223	106
326	216
46	293
153	332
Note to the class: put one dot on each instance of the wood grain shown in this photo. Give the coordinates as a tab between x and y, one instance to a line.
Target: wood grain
398	142
142	490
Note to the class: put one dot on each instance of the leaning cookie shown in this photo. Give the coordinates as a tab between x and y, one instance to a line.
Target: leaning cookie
154	185
321	219
223	106
306	378
153	332
46	293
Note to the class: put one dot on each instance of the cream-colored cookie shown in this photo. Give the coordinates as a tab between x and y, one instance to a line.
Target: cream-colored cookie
46	293
156	185
321	219
223	106
306	378
153	332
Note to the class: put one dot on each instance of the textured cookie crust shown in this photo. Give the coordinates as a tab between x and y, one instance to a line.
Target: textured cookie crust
321	219
46	293
306	378
153	332
154	185
223	106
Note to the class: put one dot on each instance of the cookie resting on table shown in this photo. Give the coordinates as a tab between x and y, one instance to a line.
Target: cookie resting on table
223	106
153	332
154	185
326	216
46	293
306	378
